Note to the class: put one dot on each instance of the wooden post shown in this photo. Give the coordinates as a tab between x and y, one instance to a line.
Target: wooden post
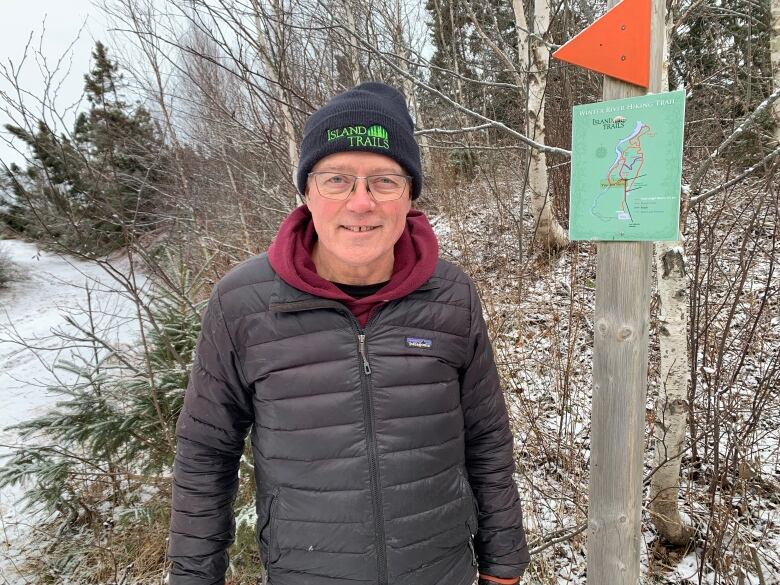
623	281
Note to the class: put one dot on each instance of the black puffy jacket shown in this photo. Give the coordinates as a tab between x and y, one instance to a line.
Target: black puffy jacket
382	455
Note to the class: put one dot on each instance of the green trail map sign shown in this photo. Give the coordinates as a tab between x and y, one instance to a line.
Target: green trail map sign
626	165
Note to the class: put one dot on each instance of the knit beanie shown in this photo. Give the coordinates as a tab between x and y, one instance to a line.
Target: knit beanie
371	117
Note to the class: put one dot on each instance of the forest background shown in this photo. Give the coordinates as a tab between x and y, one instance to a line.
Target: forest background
181	159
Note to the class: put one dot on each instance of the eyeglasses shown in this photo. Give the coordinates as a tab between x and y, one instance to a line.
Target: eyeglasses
386	187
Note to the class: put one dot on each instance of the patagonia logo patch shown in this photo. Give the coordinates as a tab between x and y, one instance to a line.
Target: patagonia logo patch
360	136
419	342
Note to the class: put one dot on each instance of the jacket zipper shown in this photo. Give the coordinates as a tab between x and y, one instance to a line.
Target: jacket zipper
368	413
373	466
466	488
362	351
271	517
473	553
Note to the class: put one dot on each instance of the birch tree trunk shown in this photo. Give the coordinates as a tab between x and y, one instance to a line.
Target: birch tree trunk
354	56
671	409
273	70
774	47
534	58
401	46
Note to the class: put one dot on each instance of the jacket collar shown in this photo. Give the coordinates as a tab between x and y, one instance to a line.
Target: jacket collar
288	299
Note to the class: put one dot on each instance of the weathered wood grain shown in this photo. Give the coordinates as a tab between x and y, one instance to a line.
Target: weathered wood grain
623	282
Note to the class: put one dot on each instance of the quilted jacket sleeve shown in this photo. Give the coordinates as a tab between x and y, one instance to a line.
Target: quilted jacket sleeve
211	430
500	541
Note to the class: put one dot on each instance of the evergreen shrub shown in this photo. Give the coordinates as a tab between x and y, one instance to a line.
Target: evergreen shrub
96	467
96	186
8	271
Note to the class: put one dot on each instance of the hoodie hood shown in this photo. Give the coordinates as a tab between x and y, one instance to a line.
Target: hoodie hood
416	253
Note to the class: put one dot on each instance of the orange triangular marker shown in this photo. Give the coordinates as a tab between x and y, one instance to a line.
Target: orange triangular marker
617	44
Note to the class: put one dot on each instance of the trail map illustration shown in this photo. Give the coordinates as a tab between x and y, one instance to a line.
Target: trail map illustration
626	168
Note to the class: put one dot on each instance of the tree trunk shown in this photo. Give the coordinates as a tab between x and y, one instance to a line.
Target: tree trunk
401	47
774	45
354	56
671	410
534	58
273	70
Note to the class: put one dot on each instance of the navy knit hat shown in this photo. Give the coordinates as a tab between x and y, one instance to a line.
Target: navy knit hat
370	117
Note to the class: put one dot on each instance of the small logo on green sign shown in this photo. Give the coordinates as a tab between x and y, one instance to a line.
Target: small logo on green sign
359	136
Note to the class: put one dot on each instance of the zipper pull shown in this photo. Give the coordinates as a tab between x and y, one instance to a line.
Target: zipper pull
362	350
473	553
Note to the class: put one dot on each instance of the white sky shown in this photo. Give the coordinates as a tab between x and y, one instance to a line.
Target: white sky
66	21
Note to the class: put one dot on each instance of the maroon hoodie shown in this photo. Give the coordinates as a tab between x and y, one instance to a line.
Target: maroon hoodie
416	253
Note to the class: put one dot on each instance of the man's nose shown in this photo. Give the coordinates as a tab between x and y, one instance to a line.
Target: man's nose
361	199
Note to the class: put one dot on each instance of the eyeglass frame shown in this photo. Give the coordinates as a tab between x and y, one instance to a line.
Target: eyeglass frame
313	174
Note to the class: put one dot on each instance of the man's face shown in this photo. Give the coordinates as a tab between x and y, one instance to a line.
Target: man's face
336	222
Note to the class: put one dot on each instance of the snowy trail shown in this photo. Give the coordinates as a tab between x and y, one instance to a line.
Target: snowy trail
31	310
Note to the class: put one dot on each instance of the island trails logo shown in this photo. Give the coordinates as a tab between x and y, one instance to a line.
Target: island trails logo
613	123
360	136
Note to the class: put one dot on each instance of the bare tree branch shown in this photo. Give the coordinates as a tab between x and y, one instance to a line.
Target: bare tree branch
762	164
741	129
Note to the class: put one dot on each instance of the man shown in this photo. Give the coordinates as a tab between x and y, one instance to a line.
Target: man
361	363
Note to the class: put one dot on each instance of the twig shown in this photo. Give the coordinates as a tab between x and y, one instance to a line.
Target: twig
540	548
453	130
759	165
757	563
746	123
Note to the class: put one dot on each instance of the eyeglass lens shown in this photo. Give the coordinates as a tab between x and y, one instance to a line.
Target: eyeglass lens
340	185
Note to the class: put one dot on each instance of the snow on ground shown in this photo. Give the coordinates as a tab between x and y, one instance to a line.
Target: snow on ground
32	311
540	319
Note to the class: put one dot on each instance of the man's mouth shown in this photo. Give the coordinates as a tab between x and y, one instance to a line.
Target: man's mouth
360	228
